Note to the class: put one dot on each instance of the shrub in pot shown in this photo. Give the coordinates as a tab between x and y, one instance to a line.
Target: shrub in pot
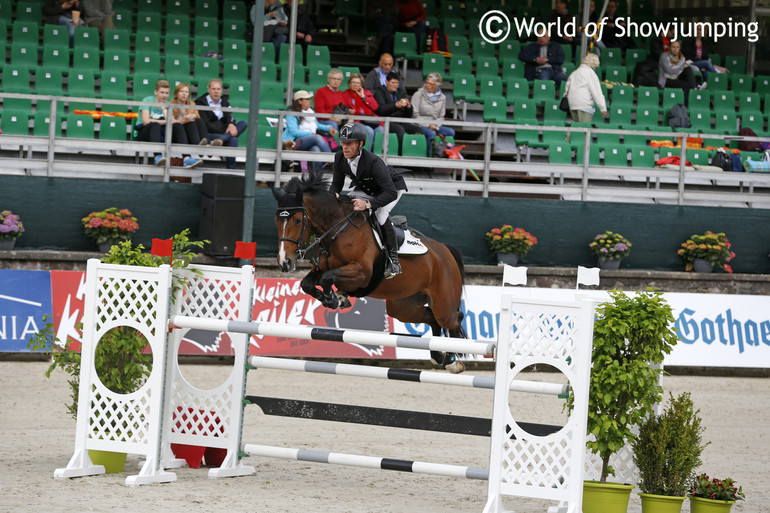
630	334
667	451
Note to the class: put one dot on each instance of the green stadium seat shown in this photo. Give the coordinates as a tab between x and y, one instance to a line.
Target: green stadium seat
14	122
233	29
112	128
86	38
646	117
41	123
451	9
24	54
726	123
235	49
204	44
459	45
25	32
240	94
700	118
56	58
594	155
49	82
512	68
177	7
318	56
642	156
80	126
433	63
147	64
490	87
235	70
405	46
717	82
753	120
543	91
56	35
149	22
671	97
699	99
724	101
144	85
612	57
81	84
15	79
631	140
560	153
459	64
177	45
616	74
177	67
149	5
272	96
553	136
487	67
205	68
147	42
118	61
516	89
698	157
234	10
86	59
622	96
615	156
316	77
741	83
465	88
648	97
113	86
392	144
735	64
205	26
414	145
482	48
29	10
552	114
124	19
508	49
453	26
178	24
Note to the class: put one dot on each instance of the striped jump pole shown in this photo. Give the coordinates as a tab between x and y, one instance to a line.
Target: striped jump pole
417	467
446	344
438	378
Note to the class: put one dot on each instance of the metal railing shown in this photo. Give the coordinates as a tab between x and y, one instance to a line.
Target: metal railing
498	174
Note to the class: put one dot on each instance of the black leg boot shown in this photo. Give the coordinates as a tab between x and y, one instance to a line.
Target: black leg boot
389	233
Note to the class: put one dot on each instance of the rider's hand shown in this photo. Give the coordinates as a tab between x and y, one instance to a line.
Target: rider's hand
359	204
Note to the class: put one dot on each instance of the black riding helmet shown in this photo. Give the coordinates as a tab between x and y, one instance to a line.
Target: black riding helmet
352	132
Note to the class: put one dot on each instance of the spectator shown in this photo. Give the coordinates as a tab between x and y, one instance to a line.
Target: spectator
330	96
393	102
221	124
614	27
674	70
383	14
543	60
697	50
411	18
305	132
659	45
152	122
305	29
275	23
361	102
378	76
562	16
429	107
190	119
65	12
583	90
99	15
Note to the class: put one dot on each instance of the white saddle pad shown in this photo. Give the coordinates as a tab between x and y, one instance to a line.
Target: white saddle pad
411	246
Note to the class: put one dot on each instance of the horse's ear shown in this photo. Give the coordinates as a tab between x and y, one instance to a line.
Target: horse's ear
277	193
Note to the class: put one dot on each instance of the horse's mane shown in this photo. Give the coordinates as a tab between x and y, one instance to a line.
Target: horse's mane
311	182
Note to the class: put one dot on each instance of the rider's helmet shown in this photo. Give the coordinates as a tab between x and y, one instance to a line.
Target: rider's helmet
352	132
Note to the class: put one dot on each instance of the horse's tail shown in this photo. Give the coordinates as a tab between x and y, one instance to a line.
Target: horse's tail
459	259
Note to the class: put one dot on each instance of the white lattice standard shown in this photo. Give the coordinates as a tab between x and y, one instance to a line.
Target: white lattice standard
211	418
137	297
535	332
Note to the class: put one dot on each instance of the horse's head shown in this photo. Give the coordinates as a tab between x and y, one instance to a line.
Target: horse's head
291	217
292	224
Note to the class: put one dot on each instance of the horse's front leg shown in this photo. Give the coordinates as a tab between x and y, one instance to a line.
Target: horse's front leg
346	278
309	285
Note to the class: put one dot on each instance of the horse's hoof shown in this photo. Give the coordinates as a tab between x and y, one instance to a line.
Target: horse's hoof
456	367
344	301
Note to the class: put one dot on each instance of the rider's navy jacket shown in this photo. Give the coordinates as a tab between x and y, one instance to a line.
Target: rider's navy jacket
374	178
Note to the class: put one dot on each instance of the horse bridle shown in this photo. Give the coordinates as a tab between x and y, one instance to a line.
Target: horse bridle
315	249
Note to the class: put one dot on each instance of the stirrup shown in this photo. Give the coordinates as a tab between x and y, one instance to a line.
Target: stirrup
392	269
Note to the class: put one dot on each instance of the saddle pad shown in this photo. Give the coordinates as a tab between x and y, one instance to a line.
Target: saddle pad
411	245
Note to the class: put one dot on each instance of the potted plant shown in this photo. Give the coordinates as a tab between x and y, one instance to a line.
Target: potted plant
630	333
509	243
120	359
110	226
667	451
11	229
609	248
713	495
702	252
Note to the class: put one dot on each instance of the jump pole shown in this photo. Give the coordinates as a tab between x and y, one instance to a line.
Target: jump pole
451	345
438	378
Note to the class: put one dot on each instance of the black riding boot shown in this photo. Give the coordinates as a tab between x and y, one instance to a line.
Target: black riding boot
389	233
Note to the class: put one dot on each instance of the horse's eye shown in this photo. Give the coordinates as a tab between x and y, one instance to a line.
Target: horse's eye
297	221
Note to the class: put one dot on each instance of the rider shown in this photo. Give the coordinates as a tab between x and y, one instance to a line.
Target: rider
373	185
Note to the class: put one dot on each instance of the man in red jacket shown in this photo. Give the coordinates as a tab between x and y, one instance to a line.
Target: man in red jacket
329	96
411	18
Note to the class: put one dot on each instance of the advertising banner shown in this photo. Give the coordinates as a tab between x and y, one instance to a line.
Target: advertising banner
715	330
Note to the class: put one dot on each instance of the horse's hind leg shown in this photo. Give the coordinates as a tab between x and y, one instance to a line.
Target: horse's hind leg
414	309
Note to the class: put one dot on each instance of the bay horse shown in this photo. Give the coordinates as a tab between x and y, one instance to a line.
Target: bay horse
345	255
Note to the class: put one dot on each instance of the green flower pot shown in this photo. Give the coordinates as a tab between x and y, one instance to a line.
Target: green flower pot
605	497
702	505
660	503
113	462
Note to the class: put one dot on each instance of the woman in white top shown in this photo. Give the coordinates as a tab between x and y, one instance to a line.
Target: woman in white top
583	90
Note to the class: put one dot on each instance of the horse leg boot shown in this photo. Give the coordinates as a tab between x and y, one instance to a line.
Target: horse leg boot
389	234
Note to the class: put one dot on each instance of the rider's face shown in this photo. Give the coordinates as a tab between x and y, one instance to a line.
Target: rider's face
350	149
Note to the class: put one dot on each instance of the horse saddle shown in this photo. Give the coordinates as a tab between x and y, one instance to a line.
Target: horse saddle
408	244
